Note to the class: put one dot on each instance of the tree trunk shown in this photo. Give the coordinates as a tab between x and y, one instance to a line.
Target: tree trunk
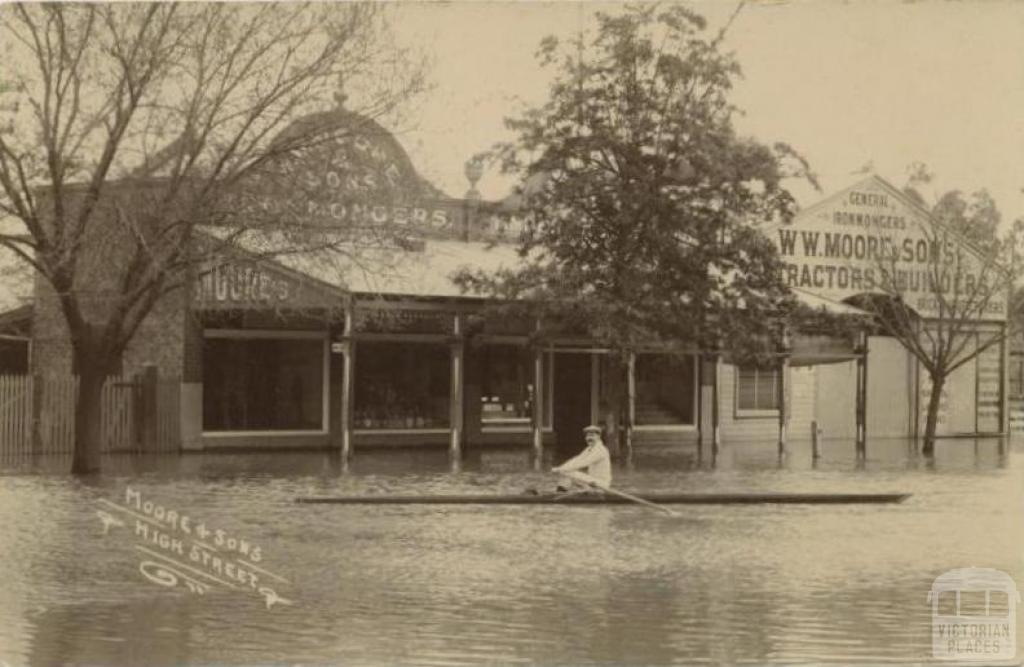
932	417
612	404
86	459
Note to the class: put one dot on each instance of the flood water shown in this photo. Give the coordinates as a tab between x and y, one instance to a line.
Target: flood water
460	585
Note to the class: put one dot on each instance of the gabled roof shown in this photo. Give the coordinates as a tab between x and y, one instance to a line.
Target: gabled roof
836	247
873	179
922	214
17	321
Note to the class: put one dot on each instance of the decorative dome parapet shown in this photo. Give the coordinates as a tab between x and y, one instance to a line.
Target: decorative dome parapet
340	169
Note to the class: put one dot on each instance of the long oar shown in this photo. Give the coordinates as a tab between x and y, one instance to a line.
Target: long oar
587	479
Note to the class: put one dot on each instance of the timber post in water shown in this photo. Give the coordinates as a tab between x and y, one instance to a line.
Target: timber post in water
862	394
783	365
536	411
457	356
347	356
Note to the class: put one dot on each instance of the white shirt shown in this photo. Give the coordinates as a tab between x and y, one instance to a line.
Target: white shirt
594	460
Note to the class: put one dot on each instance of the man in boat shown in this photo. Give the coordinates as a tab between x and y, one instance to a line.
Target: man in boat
594	460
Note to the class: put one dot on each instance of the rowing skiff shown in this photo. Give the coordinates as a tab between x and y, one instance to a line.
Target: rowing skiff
605	499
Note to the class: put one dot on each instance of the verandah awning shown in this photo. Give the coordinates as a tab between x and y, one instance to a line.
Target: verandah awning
813	350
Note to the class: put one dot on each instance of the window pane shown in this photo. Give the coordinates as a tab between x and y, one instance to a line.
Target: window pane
757	389
998	604
947	603
400	385
972	603
767	389
746	389
664	389
262	384
506	384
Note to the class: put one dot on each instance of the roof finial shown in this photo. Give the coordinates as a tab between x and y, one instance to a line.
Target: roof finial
474	169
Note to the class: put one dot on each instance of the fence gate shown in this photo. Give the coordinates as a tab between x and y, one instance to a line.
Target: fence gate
137	413
119	416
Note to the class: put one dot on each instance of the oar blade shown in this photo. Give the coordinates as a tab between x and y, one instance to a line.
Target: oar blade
587	479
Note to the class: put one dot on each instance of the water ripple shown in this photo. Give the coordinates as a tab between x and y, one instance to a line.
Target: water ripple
433	585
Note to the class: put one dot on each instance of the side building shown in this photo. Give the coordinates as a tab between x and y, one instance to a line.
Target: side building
835	250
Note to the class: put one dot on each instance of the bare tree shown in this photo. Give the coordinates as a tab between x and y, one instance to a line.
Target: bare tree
943	299
129	127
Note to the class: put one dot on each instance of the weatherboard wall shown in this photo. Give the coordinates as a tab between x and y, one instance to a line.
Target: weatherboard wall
737	426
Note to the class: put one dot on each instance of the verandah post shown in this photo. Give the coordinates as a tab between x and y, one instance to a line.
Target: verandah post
862	394
536	409
347	357
716	422
630	398
455	442
709	431
783	405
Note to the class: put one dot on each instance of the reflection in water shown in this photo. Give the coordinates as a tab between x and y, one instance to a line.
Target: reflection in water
153	631
551	585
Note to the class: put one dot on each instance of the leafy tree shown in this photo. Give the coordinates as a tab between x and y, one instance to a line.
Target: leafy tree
975	218
129	126
642	204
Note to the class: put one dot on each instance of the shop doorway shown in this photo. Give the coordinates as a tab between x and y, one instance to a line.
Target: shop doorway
571	402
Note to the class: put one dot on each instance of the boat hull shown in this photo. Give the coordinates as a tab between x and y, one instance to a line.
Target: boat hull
604	499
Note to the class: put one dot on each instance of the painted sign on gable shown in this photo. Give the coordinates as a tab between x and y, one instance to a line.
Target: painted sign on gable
870	239
250	285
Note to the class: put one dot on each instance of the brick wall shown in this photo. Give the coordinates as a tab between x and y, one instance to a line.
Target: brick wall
160	337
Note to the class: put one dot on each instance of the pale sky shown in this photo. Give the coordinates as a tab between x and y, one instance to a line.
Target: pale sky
844	83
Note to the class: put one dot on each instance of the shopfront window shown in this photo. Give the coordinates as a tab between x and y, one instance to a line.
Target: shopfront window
402	386
757	389
665	386
263	384
507	386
